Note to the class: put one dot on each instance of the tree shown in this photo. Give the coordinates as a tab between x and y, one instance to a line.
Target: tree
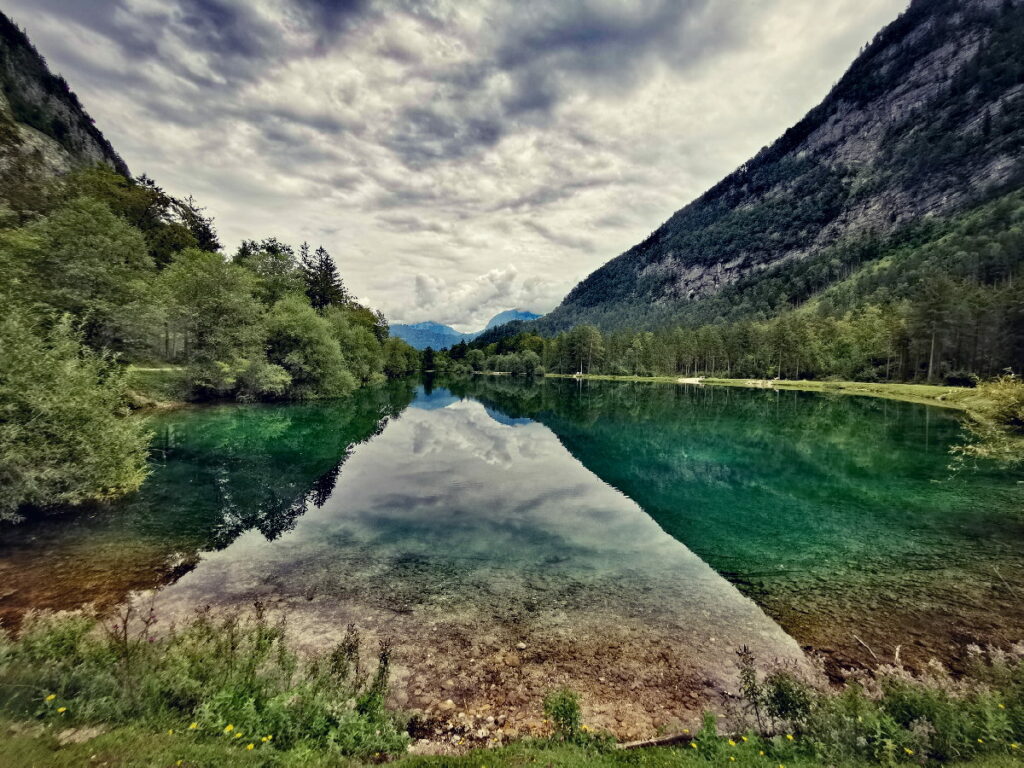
273	264
476	359
83	260
63	435
211	304
301	342
323	285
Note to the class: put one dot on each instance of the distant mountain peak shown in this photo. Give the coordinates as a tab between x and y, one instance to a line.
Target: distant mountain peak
428	333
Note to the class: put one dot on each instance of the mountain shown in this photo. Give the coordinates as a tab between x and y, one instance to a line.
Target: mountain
429	334
927	124
510	315
438	336
44	131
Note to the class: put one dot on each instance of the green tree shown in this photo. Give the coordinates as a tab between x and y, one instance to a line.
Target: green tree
274	266
83	260
211	305
64	438
323	284
302	343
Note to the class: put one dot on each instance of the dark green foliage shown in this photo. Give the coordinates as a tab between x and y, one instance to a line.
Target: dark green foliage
273	263
301	342
323	285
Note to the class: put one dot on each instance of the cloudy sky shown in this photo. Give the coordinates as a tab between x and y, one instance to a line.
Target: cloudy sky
457	157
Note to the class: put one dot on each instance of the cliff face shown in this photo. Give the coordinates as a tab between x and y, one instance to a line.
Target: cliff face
43	128
927	121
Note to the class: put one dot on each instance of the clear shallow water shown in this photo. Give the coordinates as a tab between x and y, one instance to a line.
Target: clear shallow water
632	536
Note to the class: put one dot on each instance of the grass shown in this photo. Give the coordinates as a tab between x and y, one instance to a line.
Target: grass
157	386
225	685
27	746
229	691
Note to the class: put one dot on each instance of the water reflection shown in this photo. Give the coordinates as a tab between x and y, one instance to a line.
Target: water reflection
837	514
216	472
463	533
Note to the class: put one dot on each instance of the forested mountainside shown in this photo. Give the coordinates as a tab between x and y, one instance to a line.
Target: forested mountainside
43	128
927	123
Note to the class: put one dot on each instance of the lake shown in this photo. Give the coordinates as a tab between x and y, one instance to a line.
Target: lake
510	536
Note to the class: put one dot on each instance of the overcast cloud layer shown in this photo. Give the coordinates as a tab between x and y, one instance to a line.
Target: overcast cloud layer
457	158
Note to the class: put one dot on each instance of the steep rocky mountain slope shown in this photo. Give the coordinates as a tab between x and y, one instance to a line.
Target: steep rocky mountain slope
43	128
927	122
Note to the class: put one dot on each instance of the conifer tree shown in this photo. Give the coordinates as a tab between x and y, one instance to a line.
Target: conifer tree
323	284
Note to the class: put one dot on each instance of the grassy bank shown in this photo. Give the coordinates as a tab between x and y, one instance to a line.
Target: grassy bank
131	747
960	398
230	691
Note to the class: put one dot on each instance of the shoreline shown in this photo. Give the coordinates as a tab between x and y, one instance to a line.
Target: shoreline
956	398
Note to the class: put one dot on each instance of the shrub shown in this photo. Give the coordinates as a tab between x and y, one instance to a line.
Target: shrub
562	708
230	677
63	435
893	715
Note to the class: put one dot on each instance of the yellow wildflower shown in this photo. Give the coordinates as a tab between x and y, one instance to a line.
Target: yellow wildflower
62	710
228	728
908	750
981	741
732	743
51	697
263	739
693	744
193	726
744	738
170	732
238	735
761	753
270	738
789	736
1015	745
250	745
732	759
1002	706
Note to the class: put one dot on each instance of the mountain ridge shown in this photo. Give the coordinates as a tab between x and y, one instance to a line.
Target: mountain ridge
438	336
44	130
926	122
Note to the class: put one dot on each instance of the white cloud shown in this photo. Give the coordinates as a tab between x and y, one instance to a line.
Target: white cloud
431	146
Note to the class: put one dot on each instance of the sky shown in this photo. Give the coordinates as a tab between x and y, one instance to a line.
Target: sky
456	157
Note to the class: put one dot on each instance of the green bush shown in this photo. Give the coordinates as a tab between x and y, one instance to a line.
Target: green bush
562	708
63	435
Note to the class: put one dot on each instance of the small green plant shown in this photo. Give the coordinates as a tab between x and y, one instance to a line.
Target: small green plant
233	678
562	708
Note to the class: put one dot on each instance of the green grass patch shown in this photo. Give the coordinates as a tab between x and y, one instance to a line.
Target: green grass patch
155	386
